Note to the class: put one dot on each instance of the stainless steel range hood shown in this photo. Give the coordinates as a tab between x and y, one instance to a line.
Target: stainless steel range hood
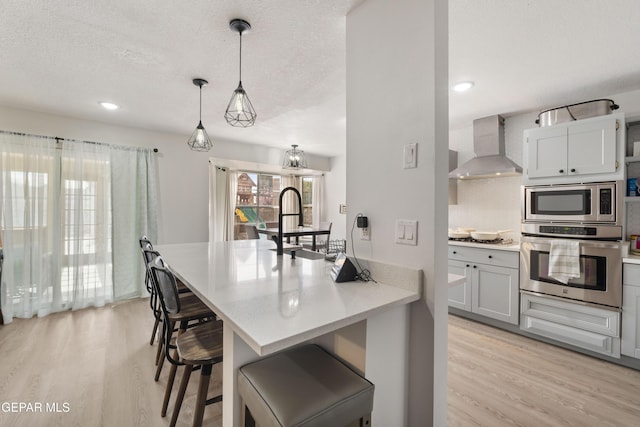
488	144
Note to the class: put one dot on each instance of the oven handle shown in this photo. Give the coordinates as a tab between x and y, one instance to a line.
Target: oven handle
590	243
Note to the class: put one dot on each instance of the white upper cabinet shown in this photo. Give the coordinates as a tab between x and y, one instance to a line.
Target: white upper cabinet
590	149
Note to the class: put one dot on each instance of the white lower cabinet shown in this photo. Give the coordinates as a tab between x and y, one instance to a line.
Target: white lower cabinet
491	288
631	310
582	326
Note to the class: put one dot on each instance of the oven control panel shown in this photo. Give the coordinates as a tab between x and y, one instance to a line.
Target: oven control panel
571	231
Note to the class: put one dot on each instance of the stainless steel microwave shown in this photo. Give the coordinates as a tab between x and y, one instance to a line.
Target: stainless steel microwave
589	203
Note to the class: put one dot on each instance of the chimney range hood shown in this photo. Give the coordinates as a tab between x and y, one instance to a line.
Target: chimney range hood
488	144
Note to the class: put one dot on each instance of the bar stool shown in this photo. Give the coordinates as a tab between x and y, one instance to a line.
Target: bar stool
186	308
200	346
305	386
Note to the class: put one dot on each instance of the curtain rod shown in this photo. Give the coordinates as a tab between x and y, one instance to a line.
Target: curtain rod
58	139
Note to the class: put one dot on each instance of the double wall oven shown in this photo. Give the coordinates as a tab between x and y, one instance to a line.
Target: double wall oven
590	213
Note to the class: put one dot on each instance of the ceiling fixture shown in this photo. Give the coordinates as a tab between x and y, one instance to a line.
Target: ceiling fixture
240	112
294	159
462	86
109	105
199	140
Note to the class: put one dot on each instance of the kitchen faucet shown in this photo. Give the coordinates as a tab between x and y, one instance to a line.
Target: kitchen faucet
278	239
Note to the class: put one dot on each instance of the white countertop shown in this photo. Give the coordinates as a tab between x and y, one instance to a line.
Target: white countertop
631	259
275	302
514	247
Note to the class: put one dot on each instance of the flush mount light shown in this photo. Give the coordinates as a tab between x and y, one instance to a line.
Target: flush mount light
109	105
294	159
240	112
462	86
199	140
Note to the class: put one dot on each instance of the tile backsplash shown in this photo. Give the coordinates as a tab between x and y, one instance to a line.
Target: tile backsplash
488	205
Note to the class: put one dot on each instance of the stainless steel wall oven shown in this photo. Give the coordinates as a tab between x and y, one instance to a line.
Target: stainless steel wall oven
600	280
589	213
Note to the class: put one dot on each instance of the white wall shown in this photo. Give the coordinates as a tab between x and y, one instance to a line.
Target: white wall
335	195
183	174
397	93
494	203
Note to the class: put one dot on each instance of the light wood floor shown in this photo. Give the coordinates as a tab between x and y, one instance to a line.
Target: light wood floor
99	362
497	378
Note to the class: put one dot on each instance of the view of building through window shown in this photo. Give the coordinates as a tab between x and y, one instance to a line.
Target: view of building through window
257	201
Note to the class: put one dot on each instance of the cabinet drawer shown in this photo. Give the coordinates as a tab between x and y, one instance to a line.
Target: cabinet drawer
579	325
631	274
484	256
588	318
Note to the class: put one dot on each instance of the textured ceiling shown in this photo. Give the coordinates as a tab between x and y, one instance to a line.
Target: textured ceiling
530	55
63	57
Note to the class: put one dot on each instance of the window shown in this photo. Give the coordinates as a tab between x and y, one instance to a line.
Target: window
258	197
38	184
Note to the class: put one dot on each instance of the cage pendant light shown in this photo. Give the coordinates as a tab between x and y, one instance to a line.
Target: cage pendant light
199	140
294	159
240	112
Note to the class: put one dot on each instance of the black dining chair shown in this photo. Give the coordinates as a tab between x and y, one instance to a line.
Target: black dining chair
200	346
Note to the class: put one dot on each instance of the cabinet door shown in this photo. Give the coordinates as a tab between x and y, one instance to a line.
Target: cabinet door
494	292
591	147
460	296
547	152
631	321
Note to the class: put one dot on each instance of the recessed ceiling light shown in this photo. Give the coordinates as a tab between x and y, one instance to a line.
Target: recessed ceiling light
462	86
109	105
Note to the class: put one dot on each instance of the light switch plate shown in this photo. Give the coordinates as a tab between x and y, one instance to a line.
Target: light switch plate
406	232
410	156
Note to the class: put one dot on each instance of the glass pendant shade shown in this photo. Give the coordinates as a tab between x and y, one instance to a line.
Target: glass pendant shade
199	140
294	159
240	112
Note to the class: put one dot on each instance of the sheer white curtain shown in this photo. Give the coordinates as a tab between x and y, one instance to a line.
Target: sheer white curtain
134	203
64	206
223	190
317	199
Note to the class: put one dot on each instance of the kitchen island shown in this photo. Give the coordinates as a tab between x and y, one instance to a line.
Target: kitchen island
269	303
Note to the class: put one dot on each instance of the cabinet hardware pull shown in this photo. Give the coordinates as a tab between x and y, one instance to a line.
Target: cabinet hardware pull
468	265
475	266
454	252
561	171
490	256
573	170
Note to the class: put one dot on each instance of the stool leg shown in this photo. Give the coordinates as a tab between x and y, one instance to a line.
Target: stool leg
183	388
201	399
155	330
167	390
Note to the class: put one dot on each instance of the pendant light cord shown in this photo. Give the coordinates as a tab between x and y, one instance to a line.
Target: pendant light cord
240	57
200	103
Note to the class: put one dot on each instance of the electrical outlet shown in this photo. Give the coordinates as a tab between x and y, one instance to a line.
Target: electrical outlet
364	234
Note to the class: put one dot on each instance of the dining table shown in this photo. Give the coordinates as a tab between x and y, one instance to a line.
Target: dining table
296	232
271	302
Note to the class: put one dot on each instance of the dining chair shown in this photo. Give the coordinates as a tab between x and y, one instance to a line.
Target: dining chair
322	241
200	346
146	245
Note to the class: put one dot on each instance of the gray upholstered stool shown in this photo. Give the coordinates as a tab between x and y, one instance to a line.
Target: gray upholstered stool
305	386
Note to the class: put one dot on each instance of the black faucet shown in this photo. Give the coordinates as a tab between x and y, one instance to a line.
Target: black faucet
278	239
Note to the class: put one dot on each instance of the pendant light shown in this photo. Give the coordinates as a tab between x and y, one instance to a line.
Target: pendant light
199	140
294	159
240	112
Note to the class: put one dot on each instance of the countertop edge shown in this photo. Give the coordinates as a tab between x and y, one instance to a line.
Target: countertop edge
515	247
